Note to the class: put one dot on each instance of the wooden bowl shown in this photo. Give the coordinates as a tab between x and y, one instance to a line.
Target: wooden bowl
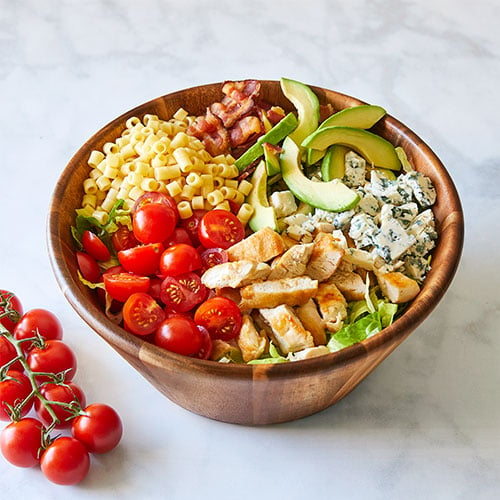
254	394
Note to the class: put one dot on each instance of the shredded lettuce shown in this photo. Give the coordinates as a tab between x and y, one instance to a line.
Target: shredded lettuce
274	357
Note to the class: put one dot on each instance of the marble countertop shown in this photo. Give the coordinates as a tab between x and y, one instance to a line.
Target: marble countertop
425	424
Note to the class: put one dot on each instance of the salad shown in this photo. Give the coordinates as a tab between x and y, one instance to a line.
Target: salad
254	235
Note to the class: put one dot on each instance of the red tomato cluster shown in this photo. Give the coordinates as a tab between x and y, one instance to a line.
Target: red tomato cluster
37	370
157	283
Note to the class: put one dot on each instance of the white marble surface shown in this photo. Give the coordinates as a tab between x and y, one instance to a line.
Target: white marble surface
425	424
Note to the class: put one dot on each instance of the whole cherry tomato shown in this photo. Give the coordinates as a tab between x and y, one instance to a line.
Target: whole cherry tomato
99	428
40	321
156	197
14	389
68	393
66	461
179	259
20	442
15	305
54	357
153	222
179	334
8	353
191	225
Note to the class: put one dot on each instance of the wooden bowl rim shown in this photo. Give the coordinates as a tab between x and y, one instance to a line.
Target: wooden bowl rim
130	344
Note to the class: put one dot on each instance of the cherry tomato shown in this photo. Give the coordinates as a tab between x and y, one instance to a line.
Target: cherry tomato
123	238
88	267
122	285
14	389
191	225
153	223
143	259
54	357
40	321
212	257
179	259
220	229
220	316
156	197
63	394
20	442
181	293
141	314
66	461
179	235
8	353
179	334
94	246
15	304
206	344
99	429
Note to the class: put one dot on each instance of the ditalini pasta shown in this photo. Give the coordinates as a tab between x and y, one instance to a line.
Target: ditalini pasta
158	155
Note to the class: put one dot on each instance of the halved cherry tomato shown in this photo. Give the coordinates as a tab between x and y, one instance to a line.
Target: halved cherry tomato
123	238
206	345
181	293
212	257
179	259
191	225
14	304
220	316
143	259
179	334
153	222
179	235
122	285
156	197
141	314
220	229
94	246
88	267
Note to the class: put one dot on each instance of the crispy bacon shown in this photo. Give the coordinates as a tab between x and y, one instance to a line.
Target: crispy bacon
230	111
210	130
244	129
239	91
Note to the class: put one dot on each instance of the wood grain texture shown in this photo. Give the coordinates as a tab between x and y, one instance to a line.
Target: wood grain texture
258	394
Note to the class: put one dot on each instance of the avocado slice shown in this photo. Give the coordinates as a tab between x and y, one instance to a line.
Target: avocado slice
333	196
263	214
375	149
333	164
275	135
307	104
272	158
362	116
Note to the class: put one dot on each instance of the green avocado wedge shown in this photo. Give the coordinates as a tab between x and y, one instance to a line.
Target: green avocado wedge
362	116
307	105
333	164
284	127
271	158
263	214
375	149
333	196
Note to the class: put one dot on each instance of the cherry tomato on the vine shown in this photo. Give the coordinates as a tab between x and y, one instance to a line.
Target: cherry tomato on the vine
220	316
122	285
67	393
8	353
181	293
40	321
179	334
14	389
15	304
142	314
179	259
153	222
99	428
66	461
220	229
88	267
20	442
54	357
143	259
94	246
